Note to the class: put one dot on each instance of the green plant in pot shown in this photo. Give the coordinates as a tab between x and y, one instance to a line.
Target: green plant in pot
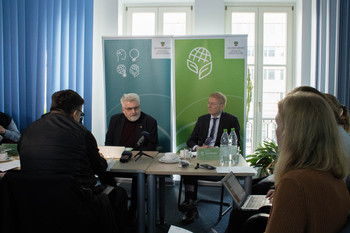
264	158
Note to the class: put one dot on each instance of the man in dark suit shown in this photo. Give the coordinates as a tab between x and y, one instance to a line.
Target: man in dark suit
125	129
207	133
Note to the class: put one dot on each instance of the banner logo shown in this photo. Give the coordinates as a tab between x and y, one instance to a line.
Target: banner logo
199	62
134	69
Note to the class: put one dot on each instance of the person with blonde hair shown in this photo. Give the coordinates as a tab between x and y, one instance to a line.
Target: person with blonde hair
311	195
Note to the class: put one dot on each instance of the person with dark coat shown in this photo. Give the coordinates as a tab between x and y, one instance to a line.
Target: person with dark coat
125	129
58	143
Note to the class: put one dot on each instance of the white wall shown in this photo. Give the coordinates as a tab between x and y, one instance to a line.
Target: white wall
105	24
208	19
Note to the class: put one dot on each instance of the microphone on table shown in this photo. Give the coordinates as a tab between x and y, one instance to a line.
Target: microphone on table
140	141
144	135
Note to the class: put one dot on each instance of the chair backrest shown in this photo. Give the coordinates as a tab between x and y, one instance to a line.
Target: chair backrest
346	228
45	203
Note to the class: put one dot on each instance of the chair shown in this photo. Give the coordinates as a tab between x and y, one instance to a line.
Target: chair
32	202
346	228
256	223
221	203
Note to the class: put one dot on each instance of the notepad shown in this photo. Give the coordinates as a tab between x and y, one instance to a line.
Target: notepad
114	152
9	165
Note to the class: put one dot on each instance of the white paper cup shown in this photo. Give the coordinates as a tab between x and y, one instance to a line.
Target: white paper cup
182	154
3	156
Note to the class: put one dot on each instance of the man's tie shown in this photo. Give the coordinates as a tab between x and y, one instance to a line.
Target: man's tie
212	131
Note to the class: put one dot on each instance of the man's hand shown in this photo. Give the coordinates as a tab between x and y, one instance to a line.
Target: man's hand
204	146
2	130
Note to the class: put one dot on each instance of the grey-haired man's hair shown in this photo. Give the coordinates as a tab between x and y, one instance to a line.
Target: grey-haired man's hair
130	97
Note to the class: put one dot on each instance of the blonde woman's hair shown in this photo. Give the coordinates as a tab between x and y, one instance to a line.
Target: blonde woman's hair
341	112
310	136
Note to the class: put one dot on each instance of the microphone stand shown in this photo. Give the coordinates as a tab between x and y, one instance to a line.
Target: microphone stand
140	153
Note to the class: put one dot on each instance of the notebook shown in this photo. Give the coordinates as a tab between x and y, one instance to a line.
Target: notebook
239	195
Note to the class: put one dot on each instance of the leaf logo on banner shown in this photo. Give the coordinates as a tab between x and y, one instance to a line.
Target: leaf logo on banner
199	62
134	70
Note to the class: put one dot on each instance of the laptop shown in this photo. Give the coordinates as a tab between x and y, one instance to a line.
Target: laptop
239	195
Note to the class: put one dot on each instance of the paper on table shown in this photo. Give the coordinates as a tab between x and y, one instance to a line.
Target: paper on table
236	169
9	165
111	151
175	229
110	163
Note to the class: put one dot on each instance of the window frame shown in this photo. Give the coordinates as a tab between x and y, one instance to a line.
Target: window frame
158	11
258	66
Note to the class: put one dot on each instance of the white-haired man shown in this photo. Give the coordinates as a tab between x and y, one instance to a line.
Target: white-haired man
125	129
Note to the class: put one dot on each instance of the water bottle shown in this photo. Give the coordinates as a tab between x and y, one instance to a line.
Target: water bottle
224	153
233	147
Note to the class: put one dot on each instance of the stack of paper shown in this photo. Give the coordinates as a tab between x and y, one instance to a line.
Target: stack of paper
113	152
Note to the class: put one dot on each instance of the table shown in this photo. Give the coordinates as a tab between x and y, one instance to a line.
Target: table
13	162
161	169
139	167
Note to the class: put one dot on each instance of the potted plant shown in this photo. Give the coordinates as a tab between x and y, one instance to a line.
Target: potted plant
264	158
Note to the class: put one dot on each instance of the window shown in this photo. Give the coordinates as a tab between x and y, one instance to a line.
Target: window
269	31
158	21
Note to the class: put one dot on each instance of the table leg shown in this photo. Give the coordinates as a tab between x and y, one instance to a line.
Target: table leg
152	205
248	184
141	202
161	199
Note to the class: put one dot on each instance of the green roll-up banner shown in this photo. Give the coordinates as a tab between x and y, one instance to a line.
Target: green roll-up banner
203	65
142	66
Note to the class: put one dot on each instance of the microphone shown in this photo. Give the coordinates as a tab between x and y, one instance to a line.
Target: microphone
140	141
144	135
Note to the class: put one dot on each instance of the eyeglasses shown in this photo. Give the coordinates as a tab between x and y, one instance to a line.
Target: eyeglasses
81	114
134	108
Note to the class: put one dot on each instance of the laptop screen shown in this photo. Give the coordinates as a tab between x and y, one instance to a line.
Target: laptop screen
236	190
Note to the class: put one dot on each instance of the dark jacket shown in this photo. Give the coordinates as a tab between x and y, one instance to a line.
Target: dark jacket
144	123
57	143
200	131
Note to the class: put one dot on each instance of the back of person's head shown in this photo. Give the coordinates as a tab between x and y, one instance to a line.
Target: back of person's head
130	97
219	96
306	89
66	101
310	136
341	112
